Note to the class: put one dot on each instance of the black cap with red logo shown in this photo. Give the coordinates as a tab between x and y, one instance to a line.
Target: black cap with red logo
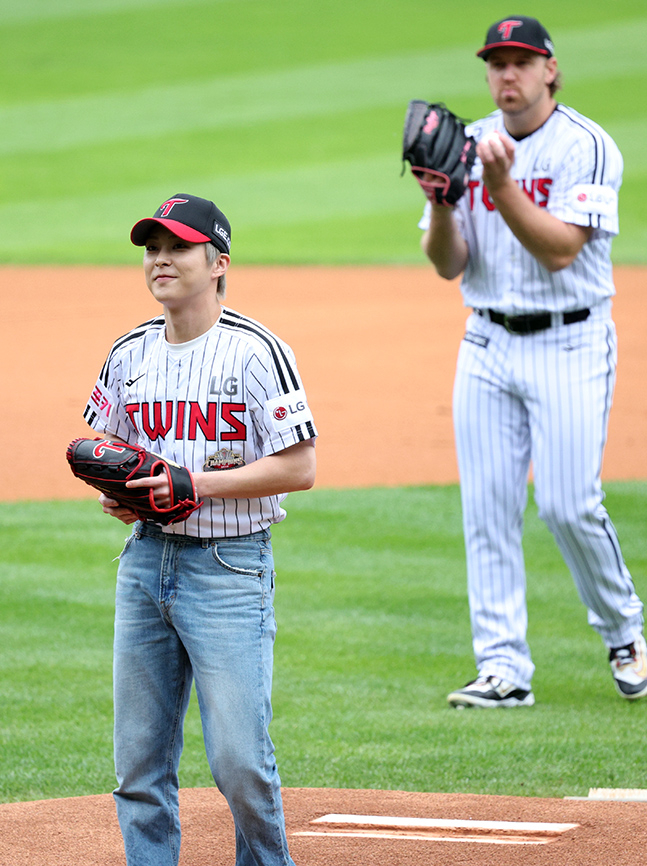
517	31
191	218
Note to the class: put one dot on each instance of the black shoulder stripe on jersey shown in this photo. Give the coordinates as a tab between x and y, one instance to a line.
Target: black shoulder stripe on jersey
134	334
138	331
310	430
599	165
600	148
236	321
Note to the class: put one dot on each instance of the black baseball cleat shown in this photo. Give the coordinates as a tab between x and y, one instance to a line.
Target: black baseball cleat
488	692
629	669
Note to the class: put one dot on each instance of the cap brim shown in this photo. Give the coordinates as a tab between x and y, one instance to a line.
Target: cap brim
485	51
142	229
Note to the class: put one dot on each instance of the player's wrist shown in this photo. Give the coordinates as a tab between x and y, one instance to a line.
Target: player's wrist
501	184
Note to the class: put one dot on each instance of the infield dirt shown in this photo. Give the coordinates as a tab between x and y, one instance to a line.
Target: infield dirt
376	348
84	830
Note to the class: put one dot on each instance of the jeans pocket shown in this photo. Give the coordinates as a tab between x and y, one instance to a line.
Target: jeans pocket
127	544
238	558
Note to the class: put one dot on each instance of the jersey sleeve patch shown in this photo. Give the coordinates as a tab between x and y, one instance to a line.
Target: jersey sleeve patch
594	199
288	410
101	402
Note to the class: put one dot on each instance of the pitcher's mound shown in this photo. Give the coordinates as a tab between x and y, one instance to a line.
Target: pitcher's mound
329	827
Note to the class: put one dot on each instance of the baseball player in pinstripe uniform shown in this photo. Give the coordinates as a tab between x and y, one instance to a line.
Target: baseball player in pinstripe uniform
212	390
532	237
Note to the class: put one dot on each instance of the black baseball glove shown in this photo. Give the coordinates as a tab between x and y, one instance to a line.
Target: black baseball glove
440	153
109	465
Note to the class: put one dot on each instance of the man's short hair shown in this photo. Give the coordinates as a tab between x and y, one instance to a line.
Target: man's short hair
556	83
212	253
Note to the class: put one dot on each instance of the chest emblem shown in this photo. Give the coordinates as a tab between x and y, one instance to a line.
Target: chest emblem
223	459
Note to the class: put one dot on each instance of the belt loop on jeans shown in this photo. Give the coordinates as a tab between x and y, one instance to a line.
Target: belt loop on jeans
529	323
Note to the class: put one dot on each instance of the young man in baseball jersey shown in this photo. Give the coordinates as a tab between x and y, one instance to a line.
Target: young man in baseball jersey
212	390
536	368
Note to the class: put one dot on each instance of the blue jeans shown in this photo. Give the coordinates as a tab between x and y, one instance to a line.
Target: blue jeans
195	609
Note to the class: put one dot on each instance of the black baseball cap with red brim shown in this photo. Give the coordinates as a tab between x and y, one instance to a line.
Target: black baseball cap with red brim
193	219
517	31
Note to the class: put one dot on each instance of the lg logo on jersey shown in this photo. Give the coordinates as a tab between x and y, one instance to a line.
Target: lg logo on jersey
289	410
229	386
280	413
590	198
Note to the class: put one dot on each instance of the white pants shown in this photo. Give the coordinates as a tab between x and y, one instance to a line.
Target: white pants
542	397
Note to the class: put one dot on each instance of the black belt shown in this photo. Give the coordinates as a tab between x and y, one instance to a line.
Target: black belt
531	322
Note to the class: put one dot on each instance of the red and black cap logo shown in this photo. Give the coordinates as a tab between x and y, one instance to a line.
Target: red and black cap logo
518	31
193	219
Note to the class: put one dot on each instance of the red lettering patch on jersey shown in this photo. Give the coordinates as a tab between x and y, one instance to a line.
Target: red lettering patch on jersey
536	189
157	419
239	429
101	403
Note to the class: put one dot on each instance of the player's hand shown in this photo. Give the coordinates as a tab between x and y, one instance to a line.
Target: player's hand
160	486
114	509
496	152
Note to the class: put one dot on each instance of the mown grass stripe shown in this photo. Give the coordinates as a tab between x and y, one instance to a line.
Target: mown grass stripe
286	196
46	10
305	92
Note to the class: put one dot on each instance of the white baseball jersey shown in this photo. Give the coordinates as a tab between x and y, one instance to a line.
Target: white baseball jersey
573	168
228	397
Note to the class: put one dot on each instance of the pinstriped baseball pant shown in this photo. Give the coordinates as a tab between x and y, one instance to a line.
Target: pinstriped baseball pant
540	399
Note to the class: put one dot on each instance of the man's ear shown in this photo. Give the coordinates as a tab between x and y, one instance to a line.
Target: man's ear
220	265
551	69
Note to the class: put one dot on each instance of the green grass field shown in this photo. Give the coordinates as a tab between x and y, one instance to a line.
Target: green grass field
373	633
289	115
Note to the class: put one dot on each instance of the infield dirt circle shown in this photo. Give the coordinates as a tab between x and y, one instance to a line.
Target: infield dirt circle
376	349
